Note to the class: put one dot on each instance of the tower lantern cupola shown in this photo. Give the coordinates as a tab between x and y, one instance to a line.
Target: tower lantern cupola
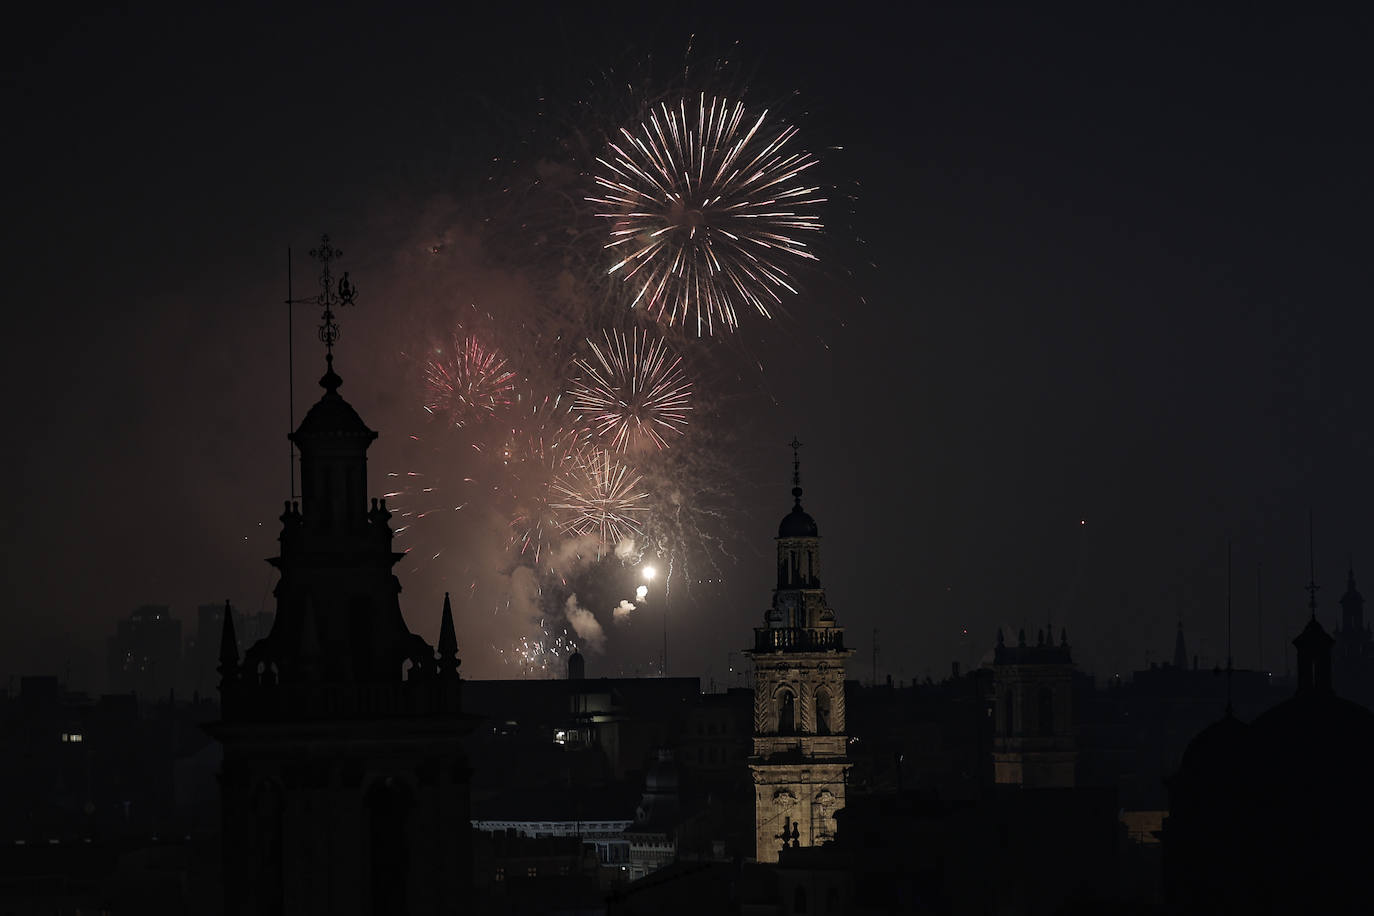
333	441
799	555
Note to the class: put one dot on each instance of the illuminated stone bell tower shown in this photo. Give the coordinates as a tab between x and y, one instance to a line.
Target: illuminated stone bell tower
799	759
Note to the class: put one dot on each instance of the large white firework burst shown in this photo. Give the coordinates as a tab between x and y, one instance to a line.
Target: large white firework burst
706	206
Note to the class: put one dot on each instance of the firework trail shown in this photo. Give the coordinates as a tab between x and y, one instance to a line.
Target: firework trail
632	391
706	206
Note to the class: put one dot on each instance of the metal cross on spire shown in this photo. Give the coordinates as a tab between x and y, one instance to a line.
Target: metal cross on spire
796	462
331	295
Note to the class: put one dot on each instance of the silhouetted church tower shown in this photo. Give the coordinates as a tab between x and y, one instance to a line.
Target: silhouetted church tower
1033	743
1354	648
799	759
344	785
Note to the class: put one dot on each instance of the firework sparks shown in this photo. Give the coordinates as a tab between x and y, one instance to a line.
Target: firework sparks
632	391
704	213
469	382
599	495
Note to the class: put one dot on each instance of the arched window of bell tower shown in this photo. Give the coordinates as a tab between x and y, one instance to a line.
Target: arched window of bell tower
822	711
787	712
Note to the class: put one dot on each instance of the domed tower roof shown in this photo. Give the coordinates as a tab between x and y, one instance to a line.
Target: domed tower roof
797	523
331	418
1217	749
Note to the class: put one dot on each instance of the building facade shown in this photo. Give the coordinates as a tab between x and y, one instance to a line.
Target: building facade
1033	744
799	759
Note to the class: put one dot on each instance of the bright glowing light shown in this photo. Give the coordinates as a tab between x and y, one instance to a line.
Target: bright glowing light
706	206
632	392
649	573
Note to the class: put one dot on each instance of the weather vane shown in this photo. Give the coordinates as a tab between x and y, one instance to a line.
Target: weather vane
331	295
796	462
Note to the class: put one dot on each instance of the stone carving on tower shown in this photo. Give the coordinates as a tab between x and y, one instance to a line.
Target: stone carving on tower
799	761
344	782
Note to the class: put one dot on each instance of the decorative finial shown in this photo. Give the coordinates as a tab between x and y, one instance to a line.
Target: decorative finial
448	642
228	647
796	470
331	296
1312	585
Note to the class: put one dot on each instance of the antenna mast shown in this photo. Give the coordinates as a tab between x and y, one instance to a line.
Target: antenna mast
1228	628
1259	618
290	379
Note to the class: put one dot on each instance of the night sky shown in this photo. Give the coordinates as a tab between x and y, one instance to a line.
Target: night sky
1094	302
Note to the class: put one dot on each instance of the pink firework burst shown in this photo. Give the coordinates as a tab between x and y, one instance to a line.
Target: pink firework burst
468	382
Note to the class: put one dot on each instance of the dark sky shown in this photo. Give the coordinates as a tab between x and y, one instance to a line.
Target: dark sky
1095	302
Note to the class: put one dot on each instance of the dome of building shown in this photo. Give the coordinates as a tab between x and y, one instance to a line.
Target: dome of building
1217	749
797	524
332	417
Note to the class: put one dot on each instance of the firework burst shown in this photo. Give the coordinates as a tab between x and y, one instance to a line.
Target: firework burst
469	382
632	391
599	495
706	206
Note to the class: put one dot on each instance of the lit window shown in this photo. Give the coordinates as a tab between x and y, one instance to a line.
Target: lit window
500	873
533	872
76	739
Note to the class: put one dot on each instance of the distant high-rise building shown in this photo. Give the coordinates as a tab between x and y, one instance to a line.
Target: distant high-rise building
799	758
201	660
144	654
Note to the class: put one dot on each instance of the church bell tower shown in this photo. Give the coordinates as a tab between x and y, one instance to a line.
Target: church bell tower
799	760
344	782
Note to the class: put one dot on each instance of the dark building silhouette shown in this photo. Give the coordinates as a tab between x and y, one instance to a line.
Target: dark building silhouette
1033	744
1353	661
1264	816
344	783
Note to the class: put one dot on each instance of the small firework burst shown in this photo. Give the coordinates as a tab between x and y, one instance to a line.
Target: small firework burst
632	391
706	207
540	434
599	495
468	382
